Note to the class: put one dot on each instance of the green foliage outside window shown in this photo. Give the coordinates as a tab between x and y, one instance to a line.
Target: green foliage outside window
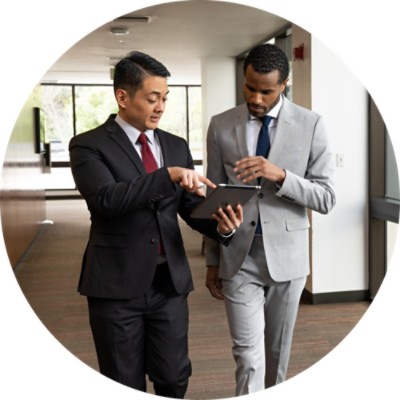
93	105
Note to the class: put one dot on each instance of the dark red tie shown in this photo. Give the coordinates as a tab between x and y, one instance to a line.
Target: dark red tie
148	159
150	165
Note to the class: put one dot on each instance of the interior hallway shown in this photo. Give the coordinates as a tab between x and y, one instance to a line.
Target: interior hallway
48	276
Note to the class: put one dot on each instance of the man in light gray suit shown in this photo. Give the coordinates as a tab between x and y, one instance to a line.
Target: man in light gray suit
262	274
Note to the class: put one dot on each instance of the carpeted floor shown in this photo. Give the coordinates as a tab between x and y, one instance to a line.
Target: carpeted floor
49	272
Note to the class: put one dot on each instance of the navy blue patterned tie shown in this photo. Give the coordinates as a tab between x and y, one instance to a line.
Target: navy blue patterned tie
263	145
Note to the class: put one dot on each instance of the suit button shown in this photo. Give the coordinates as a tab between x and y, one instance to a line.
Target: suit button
154	240
260	195
253	223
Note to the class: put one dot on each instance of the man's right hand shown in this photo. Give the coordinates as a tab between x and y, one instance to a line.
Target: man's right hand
190	180
213	283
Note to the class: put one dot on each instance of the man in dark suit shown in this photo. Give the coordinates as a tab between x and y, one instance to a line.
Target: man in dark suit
135	273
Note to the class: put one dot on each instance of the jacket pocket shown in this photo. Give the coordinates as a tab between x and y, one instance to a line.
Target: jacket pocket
105	240
297	224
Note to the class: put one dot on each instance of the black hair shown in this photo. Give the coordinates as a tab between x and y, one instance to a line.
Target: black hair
131	70
266	58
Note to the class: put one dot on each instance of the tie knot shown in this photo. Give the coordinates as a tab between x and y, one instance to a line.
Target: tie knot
266	119
142	139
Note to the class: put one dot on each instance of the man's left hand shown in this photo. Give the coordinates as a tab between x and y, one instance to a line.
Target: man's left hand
229	218
250	168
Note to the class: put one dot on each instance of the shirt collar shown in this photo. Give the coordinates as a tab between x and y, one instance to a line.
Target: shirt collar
132	132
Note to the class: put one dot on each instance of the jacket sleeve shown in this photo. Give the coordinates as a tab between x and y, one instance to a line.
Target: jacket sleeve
316	189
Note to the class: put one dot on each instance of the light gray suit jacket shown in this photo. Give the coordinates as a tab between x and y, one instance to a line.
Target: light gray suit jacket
300	147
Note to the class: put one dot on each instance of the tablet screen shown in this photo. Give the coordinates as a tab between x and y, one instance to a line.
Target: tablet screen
223	195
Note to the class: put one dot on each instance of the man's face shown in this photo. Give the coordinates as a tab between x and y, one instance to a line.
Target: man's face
261	91
144	109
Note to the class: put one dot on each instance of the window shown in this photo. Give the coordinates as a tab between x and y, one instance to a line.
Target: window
58	107
384	195
195	133
183	117
392	192
73	109
93	105
174	118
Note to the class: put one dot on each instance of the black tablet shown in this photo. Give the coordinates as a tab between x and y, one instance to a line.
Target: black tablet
223	195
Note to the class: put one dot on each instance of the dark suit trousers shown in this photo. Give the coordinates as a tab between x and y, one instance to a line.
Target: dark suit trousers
146	335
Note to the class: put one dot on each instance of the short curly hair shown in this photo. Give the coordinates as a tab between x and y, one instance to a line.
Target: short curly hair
266	58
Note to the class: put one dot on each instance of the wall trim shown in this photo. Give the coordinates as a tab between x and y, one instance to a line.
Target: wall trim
61	194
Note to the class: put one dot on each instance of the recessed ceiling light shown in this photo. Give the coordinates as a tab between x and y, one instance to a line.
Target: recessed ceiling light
118	31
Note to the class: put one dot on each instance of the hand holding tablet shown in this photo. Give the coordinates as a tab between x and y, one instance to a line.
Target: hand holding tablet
222	196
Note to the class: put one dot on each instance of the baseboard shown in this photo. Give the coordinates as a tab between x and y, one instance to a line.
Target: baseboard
55	194
335	297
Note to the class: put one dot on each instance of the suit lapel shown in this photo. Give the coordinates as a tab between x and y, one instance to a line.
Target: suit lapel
241	129
120	137
165	153
285	120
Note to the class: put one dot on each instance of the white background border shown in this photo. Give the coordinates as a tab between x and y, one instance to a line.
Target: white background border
363	34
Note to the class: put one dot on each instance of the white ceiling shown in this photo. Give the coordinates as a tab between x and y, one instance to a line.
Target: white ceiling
179	35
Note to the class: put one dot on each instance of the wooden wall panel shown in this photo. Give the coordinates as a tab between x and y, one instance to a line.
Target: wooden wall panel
22	192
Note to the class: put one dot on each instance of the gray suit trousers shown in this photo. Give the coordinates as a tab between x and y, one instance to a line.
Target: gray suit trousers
261	315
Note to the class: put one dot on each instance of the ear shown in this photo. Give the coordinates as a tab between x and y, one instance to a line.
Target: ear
283	84
121	97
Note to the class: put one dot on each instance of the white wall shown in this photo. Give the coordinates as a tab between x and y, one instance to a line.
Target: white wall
218	77
339	241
